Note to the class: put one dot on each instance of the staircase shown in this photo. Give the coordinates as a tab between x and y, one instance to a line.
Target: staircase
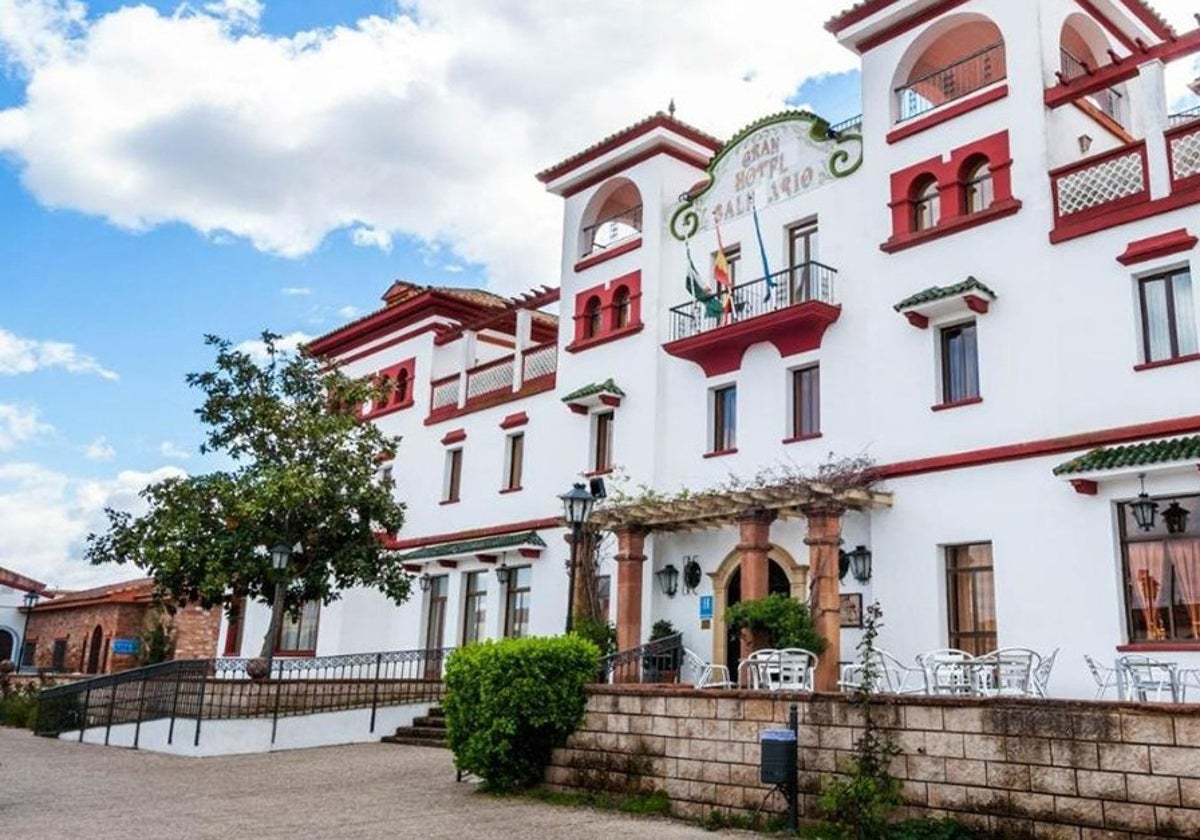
427	731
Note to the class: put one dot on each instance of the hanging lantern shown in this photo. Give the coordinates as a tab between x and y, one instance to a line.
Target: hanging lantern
1176	516
1145	508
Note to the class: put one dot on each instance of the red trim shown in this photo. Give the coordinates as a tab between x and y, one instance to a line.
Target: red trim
1107	22
908	25
449	501
1112	74
511	490
624	165
424	304
976	303
858	13
472	533
486	558
15	580
998	210
495	398
392	374
448	564
1169	135
1085	486
1039	448
604	338
454	436
659	120
1124	215
959	108
1161	647
612	253
1153	247
597	473
1056	175
512	421
604	295
412	568
721	453
610	400
530	553
918	320
802	438
1178	360
1105	121
1139	10
956	404
577	408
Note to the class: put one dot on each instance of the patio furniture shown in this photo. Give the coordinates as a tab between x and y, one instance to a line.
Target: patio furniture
703	674
891	676
1007	672
1189	678
1139	677
947	671
790	669
752	670
1104	676
1041	674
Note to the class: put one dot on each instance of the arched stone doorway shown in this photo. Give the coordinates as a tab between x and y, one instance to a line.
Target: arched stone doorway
95	645
8	644
785	576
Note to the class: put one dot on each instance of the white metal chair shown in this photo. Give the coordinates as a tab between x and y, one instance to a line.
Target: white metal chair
947	671
754	669
891	676
703	674
1104	676
792	669
1041	674
1140	676
1007	672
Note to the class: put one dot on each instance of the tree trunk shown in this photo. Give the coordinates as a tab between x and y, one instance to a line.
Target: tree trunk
268	645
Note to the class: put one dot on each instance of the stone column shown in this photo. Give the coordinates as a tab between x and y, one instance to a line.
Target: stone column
823	538
631	556
754	526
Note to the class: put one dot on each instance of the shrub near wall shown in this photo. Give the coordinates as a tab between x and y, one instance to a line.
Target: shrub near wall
510	703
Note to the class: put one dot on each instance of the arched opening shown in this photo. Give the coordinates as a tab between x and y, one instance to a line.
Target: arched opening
978	188
401	386
1082	49
591	318
8	645
953	58
785	575
926	203
621	308
613	216
95	646
778	583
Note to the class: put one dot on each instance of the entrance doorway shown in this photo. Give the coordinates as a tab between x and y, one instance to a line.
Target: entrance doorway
94	647
8	644
778	582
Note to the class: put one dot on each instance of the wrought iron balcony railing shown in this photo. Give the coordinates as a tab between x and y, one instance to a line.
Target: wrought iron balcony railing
954	81
1107	100
611	231
653	662
810	281
1184	117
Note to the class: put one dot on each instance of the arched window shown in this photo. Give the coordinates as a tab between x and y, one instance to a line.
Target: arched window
621	308
952	58
926	203
978	187
591	318
401	392
385	394
613	216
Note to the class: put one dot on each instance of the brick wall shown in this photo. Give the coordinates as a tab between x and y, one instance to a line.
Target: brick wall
1032	768
196	631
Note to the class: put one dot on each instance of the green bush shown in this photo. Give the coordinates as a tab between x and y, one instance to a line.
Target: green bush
785	620
600	633
19	708
510	703
662	629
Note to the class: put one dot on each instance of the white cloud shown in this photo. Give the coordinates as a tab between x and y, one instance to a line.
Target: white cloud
100	450
239	14
26	355
365	237
20	424
349	312
256	349
173	450
45	517
296	291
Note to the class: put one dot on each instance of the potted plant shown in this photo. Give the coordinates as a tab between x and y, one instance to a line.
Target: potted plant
661	667
775	621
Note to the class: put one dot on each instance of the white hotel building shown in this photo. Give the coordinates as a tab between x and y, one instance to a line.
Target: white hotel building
984	285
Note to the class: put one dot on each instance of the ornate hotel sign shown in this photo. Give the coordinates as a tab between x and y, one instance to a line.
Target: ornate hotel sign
768	162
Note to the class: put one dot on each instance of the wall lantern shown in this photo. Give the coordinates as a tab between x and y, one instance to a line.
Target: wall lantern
668	579
1175	516
423	581
502	572
860	563
1144	508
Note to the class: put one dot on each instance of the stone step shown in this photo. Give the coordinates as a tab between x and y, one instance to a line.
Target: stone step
412	741
422	732
431	722
437	712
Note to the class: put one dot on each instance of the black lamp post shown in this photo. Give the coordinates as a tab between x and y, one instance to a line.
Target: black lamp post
281	555
1144	508
668	579
31	599
577	507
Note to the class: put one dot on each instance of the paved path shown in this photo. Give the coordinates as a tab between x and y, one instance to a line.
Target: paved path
59	789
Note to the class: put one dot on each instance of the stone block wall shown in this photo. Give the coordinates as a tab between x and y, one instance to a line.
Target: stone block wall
1028	768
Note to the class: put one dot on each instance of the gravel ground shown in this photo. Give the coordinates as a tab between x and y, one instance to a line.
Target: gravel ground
59	789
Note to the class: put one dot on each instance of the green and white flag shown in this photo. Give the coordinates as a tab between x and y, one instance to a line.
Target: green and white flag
696	288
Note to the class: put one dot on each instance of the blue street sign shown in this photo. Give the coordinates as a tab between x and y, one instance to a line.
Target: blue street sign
706	607
124	647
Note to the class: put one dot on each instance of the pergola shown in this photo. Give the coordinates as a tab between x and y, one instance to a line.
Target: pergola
752	509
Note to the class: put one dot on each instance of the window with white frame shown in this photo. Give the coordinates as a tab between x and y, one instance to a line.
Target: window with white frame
1168	316
516	606
960	363
806	402
971	593
514	456
724	418
298	631
475	607
1162	571
602	441
452	481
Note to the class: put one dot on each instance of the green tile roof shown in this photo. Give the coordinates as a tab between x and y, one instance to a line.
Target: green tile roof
939	292
1134	455
605	387
479	546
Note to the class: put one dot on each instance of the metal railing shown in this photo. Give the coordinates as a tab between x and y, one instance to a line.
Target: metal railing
613	230
1107	100
1184	117
852	124
1183	150
810	281
654	662
954	81
490	377
196	690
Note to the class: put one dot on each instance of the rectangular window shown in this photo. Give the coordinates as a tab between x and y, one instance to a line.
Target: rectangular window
960	363
602	460
604	594
1162	572
453	480
806	402
514	454
233	634
475	608
435	619
724	419
1168	316
802	253
298	633
970	588
58	655
516	606
28	654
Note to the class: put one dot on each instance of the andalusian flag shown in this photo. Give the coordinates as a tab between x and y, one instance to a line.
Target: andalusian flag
696	288
721	275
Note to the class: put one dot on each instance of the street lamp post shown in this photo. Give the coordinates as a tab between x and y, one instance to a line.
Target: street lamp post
281	553
577	507
31	599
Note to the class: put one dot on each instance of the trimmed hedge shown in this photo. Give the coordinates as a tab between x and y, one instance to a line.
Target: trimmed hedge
509	703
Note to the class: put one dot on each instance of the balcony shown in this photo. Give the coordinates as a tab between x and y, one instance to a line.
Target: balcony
791	309
614	230
1107	100
493	383
952	81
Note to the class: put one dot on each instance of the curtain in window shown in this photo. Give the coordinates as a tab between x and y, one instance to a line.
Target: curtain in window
1158	326
1147	567
1185	555
1185	313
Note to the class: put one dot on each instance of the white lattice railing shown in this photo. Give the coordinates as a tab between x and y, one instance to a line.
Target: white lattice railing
1091	184
1185	154
540	361
445	393
495	376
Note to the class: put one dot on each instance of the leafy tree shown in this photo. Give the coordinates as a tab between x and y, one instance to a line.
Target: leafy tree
304	472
